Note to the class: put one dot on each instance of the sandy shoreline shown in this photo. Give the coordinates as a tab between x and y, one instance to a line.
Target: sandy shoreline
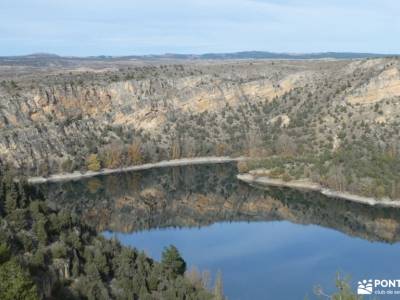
167	163
312	186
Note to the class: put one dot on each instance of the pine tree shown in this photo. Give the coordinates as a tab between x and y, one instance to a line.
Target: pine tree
17	286
11	201
40	230
172	260
1	201
2	194
4	253
23	198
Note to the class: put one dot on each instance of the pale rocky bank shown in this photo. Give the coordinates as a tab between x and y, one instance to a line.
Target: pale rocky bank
308	185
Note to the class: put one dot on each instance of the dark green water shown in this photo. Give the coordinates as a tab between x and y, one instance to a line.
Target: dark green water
275	244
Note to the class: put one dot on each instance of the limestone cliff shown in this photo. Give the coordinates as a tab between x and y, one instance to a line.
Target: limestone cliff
51	119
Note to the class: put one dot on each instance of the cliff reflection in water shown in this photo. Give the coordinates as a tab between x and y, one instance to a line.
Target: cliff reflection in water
202	195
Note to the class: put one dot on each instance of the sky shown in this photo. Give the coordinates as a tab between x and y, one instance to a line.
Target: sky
127	27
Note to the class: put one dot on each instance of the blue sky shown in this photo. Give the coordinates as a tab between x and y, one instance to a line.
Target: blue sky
122	27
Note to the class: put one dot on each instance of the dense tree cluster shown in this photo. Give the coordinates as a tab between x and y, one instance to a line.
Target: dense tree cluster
45	253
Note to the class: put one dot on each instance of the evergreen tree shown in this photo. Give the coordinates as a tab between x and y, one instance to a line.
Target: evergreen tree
1	205
100	260
172	260
11	199
23	198
41	231
99	264
2	196
15	283
4	253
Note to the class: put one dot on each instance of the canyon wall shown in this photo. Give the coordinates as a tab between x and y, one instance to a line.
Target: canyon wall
52	119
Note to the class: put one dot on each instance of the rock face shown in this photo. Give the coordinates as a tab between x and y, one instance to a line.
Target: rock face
384	86
51	119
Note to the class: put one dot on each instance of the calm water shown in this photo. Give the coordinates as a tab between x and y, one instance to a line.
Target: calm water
275	244
272	260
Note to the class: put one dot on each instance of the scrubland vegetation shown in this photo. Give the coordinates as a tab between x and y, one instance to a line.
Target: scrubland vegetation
360	168
336	122
312	131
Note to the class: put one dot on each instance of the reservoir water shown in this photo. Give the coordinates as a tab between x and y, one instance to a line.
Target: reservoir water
268	244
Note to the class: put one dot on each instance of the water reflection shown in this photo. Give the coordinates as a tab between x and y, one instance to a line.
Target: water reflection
203	195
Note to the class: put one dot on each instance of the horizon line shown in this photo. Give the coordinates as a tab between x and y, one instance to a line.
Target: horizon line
294	54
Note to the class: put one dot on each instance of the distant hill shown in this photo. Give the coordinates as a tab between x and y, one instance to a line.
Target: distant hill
267	55
272	55
43	58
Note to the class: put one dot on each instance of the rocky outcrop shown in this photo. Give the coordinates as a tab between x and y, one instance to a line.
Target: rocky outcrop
51	119
384	86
